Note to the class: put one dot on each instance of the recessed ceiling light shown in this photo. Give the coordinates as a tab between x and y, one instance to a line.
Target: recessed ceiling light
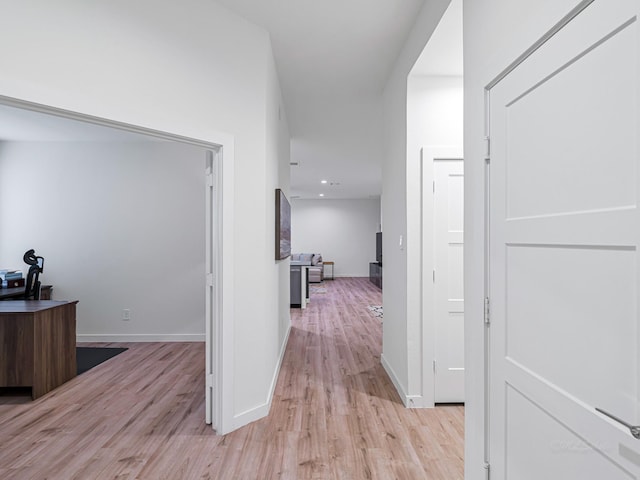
323	181
321	195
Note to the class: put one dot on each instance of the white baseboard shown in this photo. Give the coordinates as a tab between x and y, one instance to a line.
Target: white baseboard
140	338
261	411
409	401
251	415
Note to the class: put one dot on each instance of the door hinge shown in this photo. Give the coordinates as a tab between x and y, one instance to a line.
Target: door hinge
209	381
209	180
434	366
434	186
434	276
487	149
487	319
209	279
487	471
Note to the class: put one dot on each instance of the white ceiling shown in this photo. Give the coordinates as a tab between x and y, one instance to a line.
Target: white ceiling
331	47
333	59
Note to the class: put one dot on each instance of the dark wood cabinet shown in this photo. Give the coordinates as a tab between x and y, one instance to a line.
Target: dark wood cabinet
38	344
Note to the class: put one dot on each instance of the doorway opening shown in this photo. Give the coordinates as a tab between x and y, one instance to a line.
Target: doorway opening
109	197
435	137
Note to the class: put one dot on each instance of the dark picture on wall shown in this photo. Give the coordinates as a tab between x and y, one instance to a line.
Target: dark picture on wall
283	226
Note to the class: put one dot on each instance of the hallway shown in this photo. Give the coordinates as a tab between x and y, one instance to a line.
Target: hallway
351	422
335	413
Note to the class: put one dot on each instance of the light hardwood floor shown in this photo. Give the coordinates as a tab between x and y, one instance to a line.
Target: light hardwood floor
335	413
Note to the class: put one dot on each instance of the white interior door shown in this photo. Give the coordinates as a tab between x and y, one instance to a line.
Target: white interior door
448	280
564	233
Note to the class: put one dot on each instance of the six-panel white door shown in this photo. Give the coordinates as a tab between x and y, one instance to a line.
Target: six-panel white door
448	280
564	277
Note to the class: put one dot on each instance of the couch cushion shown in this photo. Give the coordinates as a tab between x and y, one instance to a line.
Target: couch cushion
306	257
317	258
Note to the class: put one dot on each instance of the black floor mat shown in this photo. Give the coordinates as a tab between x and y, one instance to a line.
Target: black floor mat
89	357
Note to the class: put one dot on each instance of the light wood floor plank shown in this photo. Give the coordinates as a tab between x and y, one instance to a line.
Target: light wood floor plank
335	413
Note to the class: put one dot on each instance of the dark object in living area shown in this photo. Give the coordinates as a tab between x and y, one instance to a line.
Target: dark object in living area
89	357
375	274
375	268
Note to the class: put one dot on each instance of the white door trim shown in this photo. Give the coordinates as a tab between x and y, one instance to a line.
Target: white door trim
429	154
221	327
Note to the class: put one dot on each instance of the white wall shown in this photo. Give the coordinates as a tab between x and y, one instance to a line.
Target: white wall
343	231
434	112
109	220
402	331
277	272
190	68
496	32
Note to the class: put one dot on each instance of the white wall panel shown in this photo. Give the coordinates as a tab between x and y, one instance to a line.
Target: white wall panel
533	456
555	160
585	295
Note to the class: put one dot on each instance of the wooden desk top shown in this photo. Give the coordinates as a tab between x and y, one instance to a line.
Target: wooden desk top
31	306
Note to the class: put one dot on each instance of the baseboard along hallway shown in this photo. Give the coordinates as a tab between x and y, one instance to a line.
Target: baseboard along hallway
334	415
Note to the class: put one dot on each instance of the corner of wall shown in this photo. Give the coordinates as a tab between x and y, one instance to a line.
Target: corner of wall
409	401
400	272
262	410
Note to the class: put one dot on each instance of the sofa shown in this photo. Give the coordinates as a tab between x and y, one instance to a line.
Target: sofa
314	260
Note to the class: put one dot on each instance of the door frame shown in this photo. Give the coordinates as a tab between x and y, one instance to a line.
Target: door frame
219	253
428	155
